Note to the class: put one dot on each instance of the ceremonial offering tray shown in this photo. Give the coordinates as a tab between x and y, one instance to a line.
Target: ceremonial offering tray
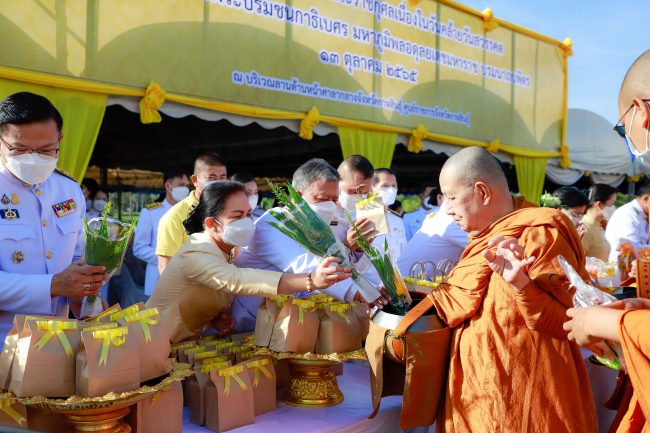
103	414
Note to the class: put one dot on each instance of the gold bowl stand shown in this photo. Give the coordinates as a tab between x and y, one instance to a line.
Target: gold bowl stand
312	384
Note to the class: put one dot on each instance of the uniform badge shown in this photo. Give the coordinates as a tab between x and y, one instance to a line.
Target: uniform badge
65	208
5	199
18	256
9	214
15	199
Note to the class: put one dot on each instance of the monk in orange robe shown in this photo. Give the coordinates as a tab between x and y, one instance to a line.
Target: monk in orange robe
626	322
512	369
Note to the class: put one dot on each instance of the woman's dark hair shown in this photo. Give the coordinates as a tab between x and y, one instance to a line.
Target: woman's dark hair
211	204
599	192
570	196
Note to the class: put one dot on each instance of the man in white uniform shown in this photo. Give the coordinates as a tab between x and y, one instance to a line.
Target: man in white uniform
384	184
318	183
41	211
177	187
413	220
439	238
629	223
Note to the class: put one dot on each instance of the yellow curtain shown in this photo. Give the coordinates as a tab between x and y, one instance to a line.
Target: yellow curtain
378	147
530	176
82	116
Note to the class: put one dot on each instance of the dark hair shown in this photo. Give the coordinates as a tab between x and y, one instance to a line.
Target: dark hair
210	159
599	192
378	171
91	184
242	177
24	107
100	189
570	196
642	187
359	164
211	204
422	186
172	173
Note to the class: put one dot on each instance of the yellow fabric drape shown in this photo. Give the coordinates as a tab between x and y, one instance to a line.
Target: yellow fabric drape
378	147
82	114
530	177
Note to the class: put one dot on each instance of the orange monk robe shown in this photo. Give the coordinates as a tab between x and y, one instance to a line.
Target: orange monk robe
512	369
634	332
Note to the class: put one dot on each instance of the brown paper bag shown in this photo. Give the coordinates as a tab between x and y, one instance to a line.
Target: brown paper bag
104	316
178	350
160	413
152	339
9	350
12	413
196	389
223	348
189	353
46	421
282	369
44	363
244	355
296	328
339	330
362	313
262	375
108	361
211	340
229	399
267	313
199	357
236	352
373	209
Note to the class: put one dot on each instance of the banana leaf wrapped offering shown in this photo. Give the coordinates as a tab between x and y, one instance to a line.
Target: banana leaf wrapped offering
298	221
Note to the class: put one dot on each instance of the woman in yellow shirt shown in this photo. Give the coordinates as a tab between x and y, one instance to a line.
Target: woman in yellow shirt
200	281
601	200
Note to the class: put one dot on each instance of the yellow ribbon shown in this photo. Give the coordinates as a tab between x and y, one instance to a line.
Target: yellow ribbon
224	345
308	123
487	15
370	200
145	318
341	309
107	312
114	317
194	350
182	346
321	298
56	327
280	300
208	354
154	97
101	327
565	161
247	355
302	305
634	179
415	141
257	366
567	47
6	407
493	146
242	348
232	372
115	337
207	367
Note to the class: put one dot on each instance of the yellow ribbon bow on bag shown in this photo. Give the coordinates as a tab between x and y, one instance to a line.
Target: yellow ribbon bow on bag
115	337
232	372
182	346
123	313
341	309
56	327
303	304
206	368
280	300
145	318
257	366
6	407
106	313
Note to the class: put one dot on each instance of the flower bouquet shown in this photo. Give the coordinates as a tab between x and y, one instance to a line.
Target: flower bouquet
389	274
549	200
106	243
299	222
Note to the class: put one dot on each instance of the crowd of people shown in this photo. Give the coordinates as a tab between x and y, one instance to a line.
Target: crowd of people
210	254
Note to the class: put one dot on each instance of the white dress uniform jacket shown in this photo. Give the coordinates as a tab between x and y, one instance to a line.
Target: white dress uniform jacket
413	220
396	236
44	238
628	224
145	239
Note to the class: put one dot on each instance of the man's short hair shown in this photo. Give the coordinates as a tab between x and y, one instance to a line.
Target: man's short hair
380	171
359	164
172	173
242	178
24	107
642	187
422	186
314	170
210	159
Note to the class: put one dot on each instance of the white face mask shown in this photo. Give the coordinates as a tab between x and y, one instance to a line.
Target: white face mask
99	205
31	168
180	192
349	201
324	209
388	195
252	200
575	220
643	157
608	211
238	233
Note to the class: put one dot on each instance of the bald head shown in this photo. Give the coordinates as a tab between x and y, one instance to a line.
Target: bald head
475	164
636	83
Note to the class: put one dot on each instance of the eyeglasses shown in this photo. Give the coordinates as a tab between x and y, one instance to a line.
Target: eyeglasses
619	128
51	152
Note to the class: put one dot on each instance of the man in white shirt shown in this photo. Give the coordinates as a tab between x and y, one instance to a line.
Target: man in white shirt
384	184
439	238
629	223
413	220
177	187
252	191
318	183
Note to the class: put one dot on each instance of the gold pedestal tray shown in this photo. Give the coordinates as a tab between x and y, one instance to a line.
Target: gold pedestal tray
104	414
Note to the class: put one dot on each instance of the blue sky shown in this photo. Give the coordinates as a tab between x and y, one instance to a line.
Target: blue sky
607	37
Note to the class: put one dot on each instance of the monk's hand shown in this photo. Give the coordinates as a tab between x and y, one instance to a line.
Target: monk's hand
223	324
367	229
506	258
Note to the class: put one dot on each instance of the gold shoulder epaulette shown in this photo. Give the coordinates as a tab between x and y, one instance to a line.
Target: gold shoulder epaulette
65	174
154	205
431	214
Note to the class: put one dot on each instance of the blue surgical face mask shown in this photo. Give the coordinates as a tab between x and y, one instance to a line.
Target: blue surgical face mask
643	157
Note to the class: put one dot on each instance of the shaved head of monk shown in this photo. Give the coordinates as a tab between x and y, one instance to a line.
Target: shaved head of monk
634	104
476	189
